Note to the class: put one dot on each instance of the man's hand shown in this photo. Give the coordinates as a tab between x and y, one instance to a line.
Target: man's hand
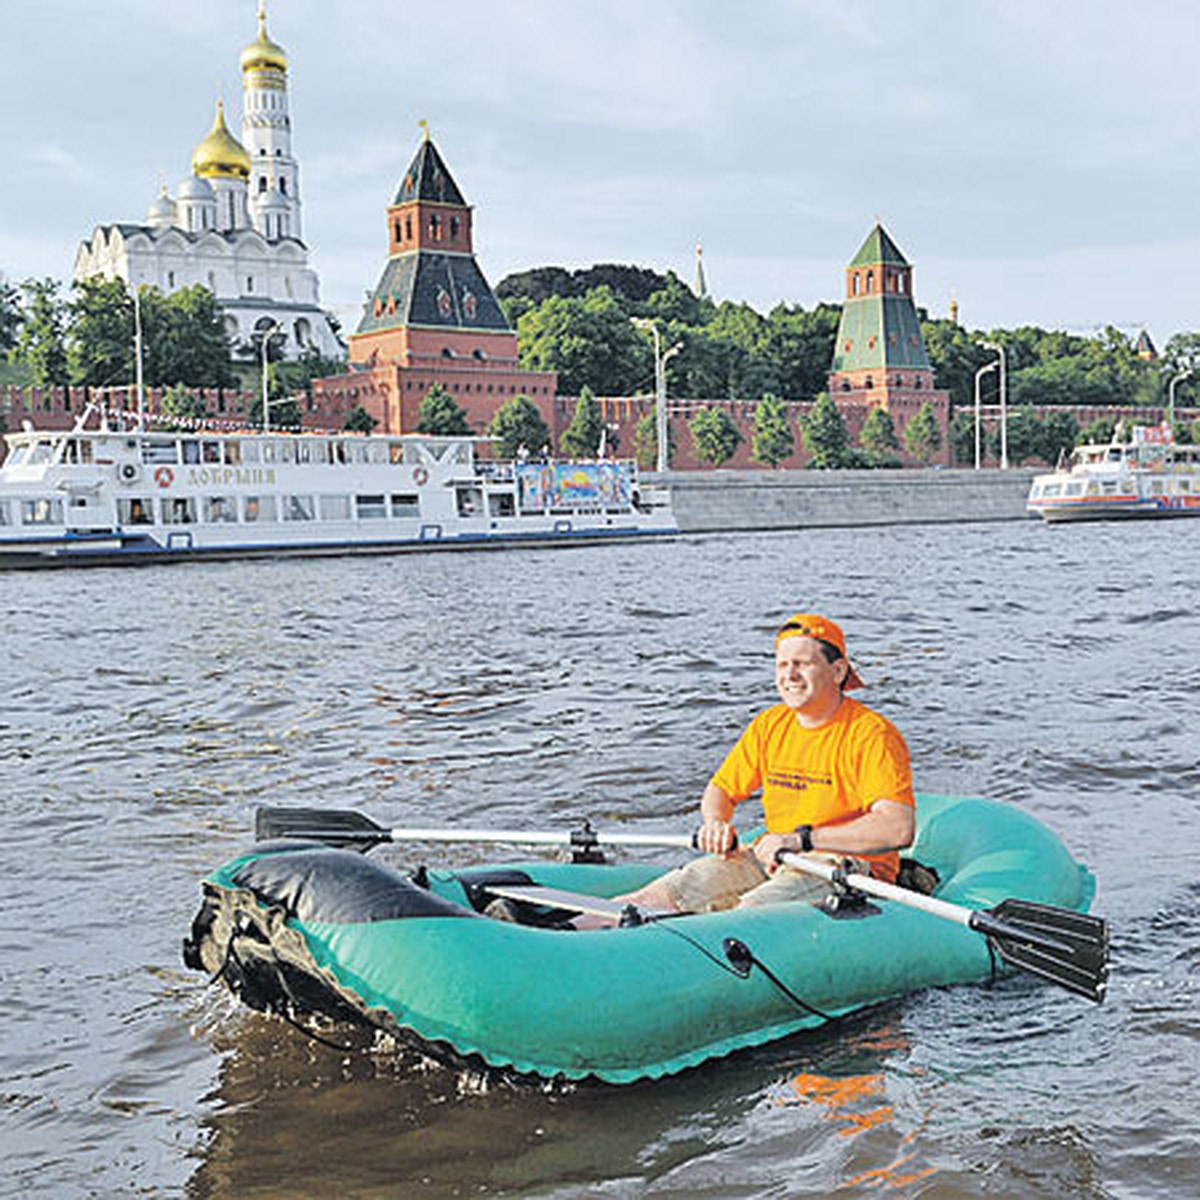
770	844
715	836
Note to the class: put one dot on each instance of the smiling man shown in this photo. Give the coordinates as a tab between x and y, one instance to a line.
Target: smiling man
834	776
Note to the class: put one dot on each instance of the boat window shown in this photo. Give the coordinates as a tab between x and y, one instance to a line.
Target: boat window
250	451
1051	489
220	508
304	452
406	506
470	500
268	451
298	508
339	452
42	511
18	455
287	451
357	452
4	512
320	450
180	511
258	508
369	508
135	510
210	452
191	451
502	504
41	453
233	453
1156	487
334	508
1185	485
377	452
1074	489
86	452
1110	487
396	452
160	452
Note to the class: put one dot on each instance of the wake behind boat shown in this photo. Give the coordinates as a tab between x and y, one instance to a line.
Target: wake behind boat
1152	476
114	496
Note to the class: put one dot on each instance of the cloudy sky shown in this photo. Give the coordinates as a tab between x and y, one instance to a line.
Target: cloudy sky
1040	161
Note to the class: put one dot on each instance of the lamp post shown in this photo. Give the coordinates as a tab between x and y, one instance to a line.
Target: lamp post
1003	403
137	355
979	412
660	389
266	333
1171	396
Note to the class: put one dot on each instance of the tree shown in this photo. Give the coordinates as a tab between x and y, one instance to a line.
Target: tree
298	376
1024	435
825	435
197	349
520	428
962	437
715	435
771	439
1099	432
358	420
645	441
10	315
589	341
581	438
440	415
878	438
1059	432
797	348
100	337
183	408
41	345
922	437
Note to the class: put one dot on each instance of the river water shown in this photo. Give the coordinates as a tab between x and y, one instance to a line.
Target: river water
148	711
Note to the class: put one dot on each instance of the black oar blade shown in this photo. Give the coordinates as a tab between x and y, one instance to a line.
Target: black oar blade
1056	944
333	826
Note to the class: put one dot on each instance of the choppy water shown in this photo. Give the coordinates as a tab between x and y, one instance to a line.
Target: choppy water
147	712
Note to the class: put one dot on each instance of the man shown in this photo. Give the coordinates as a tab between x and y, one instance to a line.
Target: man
834	775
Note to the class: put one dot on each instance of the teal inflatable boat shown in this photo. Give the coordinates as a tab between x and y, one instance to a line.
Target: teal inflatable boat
300	927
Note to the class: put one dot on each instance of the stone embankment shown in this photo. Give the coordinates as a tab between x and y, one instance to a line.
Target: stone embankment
718	501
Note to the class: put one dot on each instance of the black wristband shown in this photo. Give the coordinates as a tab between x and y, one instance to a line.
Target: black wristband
804	832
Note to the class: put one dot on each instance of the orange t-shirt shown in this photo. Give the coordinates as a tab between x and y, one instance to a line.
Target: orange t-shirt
820	776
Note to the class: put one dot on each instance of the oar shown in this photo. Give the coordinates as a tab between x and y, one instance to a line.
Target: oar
1057	944
344	827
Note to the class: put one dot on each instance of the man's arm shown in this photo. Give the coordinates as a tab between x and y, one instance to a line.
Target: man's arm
886	825
716	835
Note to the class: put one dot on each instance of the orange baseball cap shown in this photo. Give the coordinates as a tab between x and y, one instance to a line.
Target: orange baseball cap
825	630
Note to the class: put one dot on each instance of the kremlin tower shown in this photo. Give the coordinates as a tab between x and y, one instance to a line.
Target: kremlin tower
432	318
233	225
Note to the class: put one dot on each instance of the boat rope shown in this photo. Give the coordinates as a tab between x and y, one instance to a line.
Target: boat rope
739	960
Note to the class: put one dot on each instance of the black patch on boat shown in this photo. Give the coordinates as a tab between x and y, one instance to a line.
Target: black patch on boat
340	887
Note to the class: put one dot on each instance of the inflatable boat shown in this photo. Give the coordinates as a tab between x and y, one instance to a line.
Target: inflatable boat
298	926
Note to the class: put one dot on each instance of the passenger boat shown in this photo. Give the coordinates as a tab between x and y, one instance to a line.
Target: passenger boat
119	496
304	925
1151	476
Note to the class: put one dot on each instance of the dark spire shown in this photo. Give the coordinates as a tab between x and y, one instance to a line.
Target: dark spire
427	178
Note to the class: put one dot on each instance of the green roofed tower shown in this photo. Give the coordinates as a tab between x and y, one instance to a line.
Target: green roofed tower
879	357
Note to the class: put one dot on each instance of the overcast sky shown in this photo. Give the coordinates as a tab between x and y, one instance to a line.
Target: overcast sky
1038	159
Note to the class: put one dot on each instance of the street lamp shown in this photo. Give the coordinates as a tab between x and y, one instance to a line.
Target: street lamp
660	388
1003	403
266	333
1171	396
979	412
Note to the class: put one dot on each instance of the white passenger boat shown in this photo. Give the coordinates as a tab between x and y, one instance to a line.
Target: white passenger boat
108	496
1151	476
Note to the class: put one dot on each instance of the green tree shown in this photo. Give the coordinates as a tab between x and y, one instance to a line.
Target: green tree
589	341
520	428
825	435
581	438
715	435
922	437
1098	433
298	375
358	420
10	315
797	348
1059	432
955	355
1025	436
962	437
197	348
441	415
771	439
41	346
878	438
182	408
645	441
100	335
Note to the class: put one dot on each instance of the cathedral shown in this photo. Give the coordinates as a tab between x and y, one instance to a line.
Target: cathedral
233	225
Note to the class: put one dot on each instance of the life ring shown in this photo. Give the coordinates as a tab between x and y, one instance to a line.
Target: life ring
164	476
420	476
129	472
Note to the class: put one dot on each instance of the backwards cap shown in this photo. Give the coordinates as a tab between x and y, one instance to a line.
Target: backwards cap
824	630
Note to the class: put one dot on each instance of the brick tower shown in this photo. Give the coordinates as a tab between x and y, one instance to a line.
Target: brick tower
431	318
879	358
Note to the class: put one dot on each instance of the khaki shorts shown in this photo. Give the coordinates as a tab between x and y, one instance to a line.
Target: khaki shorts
716	882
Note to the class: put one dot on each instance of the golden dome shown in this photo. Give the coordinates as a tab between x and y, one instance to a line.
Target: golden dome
263	52
220	153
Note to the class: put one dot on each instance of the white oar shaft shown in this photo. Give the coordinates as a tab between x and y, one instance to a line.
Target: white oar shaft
523	837
877	887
